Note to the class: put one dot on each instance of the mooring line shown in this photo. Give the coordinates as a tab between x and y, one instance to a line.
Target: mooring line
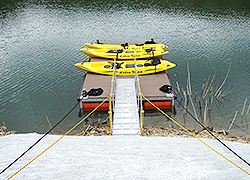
83	119
40	139
213	134
194	135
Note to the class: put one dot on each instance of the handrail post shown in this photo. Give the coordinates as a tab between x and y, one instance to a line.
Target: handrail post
139	98
142	115
112	97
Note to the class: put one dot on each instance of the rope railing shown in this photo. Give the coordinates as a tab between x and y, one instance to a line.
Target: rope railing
77	124
169	117
39	139
141	110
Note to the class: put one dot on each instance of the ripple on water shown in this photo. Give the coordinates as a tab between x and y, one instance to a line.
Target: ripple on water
40	44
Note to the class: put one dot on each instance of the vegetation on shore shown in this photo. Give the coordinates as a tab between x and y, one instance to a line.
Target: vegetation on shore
4	131
102	128
208	102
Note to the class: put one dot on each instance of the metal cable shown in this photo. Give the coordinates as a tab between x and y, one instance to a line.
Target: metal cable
213	134
39	139
165	114
77	124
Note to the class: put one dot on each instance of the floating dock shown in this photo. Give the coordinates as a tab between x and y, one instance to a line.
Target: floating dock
150	85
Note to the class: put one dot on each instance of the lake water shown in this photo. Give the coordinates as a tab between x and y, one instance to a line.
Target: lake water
40	42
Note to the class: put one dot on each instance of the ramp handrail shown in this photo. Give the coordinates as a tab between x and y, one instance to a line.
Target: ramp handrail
139	98
138	93
112	97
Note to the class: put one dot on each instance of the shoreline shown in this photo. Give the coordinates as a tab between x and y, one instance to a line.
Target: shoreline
99	128
4	131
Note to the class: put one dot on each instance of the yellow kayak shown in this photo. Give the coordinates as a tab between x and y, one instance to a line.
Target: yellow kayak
125	53
125	46
126	68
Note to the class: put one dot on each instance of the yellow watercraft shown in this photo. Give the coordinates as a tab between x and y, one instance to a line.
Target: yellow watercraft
125	46
126	68
125	53
131	46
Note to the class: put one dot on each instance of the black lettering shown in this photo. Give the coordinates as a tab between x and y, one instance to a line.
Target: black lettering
135	55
